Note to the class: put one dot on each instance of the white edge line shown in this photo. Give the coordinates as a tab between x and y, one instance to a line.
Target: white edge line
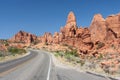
48	75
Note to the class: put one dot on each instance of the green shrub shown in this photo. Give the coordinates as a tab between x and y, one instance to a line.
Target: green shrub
59	53
14	50
72	56
56	54
73	52
77	59
69	55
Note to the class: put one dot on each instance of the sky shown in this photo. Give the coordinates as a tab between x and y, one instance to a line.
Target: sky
39	16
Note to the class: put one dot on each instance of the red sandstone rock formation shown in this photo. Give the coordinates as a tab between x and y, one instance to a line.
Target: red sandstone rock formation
113	22
23	37
46	38
98	28
56	38
70	28
84	39
105	29
74	36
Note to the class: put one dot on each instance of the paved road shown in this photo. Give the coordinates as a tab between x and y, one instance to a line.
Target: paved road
70	74
39	66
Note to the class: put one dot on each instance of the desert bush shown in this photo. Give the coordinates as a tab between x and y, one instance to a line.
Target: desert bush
106	69
35	42
90	65
70	47
100	56
69	57
46	43
6	44
14	50
72	52
72	56
100	45
82	62
65	44
59	53
78	60
113	46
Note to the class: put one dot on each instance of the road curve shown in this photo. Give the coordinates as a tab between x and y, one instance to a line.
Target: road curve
26	68
40	67
5	66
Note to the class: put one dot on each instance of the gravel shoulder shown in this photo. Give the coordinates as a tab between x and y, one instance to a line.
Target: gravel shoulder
11	57
62	65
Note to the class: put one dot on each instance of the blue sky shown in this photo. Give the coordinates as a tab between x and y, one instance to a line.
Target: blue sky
39	16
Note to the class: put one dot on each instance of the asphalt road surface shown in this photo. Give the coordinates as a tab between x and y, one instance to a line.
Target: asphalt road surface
39	66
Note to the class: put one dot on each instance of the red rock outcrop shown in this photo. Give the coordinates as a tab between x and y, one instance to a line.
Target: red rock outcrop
113	22
98	28
105	29
71	35
23	37
56	38
70	28
46	38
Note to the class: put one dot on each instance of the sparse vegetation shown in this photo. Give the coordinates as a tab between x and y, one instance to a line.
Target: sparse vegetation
14	50
46	43
90	62
100	56
100	45
72	52
35	42
59	53
113	46
70	56
5	42
82	62
3	54
64	44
